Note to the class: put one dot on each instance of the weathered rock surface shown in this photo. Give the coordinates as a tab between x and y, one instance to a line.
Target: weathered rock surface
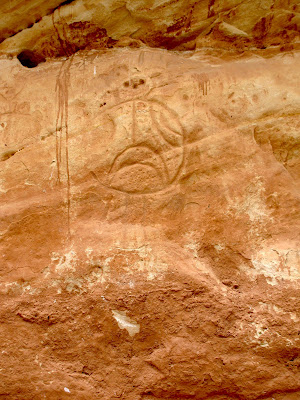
149	229
57	28
149	200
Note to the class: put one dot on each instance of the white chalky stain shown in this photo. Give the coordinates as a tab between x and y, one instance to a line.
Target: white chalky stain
276	265
253	202
65	262
126	322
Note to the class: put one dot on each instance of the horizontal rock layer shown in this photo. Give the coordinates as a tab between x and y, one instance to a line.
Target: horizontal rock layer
149	226
55	28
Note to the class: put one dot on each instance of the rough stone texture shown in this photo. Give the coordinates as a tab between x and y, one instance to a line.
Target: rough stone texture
149	201
150	227
55	28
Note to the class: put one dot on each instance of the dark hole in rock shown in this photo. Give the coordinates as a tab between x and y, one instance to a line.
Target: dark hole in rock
7	154
66	2
30	59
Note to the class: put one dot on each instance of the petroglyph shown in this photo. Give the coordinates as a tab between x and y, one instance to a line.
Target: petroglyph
62	127
148	144
203	83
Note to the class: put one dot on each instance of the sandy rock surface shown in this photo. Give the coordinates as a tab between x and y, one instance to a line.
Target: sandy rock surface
149	200
149	230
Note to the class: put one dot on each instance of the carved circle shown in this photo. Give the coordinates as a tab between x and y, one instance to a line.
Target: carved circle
147	147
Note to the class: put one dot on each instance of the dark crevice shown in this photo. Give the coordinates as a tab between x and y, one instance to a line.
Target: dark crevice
64	3
8	154
30	59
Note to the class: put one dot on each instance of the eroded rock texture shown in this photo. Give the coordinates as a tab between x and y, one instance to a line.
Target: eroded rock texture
55	28
149	209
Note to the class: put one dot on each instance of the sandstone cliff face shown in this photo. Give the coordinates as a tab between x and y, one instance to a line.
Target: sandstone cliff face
149	204
57	28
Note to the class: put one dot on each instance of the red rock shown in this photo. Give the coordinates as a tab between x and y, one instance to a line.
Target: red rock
149	222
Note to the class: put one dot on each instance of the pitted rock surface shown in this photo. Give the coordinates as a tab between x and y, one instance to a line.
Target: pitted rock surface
149	204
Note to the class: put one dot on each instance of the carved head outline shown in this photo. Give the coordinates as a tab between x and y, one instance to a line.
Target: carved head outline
147	148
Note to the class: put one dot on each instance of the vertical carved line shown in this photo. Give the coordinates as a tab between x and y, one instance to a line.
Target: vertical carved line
61	107
57	33
134	124
62	89
66	103
58	131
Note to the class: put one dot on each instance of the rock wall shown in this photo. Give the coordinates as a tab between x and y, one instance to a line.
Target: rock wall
149	215
55	28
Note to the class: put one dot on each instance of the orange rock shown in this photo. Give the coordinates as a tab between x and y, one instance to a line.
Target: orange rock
149	223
